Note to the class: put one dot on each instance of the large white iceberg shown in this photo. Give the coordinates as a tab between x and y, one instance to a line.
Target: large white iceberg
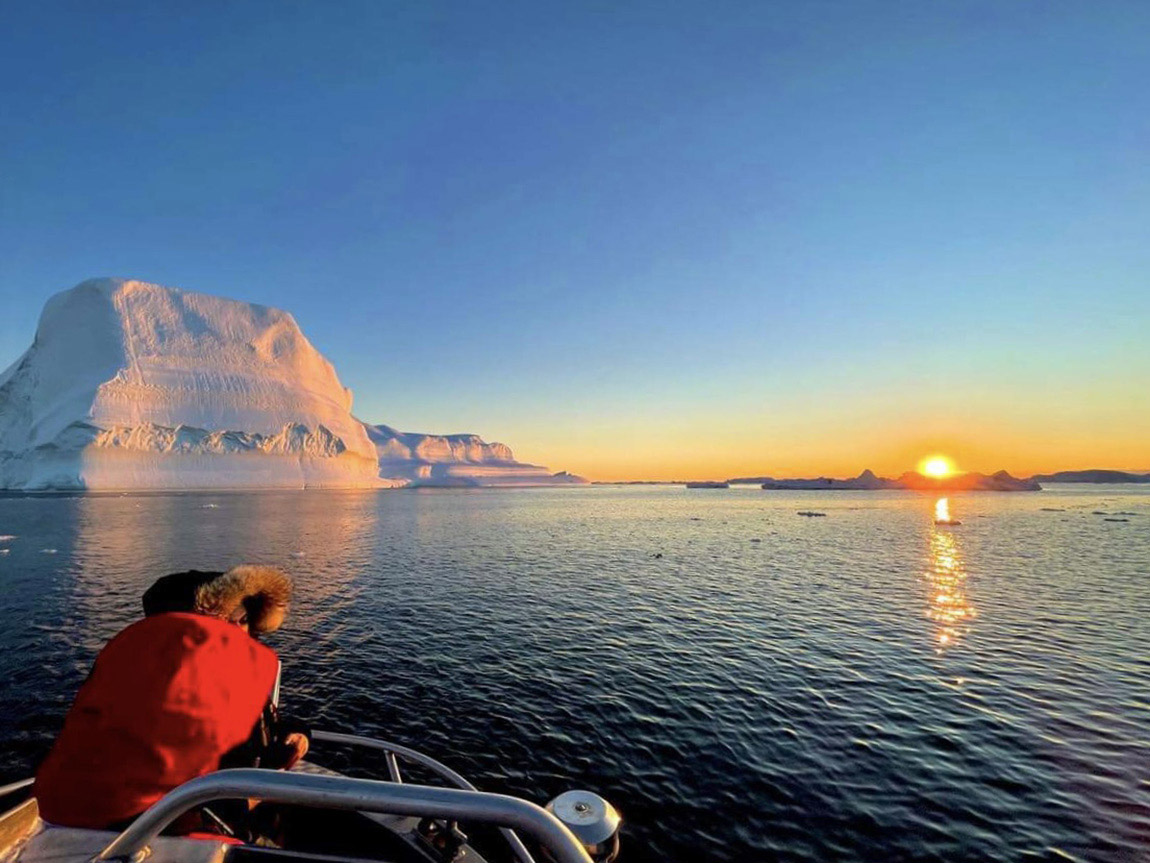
130	385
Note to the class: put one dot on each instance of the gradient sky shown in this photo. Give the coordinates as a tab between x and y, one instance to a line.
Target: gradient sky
638	240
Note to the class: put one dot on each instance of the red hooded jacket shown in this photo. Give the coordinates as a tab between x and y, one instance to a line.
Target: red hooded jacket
166	699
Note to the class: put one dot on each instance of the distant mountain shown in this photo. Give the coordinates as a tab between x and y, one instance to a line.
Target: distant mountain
1100	476
130	385
867	481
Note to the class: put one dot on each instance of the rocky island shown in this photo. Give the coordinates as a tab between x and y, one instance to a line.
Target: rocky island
1094	476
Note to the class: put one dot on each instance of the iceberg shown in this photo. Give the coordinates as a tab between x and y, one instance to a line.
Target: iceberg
131	385
455	460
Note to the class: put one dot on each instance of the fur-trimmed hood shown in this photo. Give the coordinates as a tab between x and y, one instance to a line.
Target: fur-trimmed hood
264	591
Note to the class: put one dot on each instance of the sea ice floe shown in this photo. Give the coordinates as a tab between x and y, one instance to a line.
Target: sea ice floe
47	551
7	537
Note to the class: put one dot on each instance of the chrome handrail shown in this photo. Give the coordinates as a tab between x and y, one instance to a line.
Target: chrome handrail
441	770
341	792
16	786
413	755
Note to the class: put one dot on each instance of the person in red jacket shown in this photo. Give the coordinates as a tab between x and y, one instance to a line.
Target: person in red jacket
183	692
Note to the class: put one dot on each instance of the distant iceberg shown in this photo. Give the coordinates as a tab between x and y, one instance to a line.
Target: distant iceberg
867	481
455	460
131	385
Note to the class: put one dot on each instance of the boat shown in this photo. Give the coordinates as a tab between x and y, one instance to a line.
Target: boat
942	514
328	817
715	484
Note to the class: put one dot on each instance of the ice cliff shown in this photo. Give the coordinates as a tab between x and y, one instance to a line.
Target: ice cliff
130	385
459	459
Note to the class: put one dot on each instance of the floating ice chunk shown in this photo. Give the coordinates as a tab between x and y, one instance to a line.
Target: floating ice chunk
48	551
464	460
298	554
7	537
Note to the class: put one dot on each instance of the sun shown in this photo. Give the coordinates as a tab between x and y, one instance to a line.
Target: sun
937	466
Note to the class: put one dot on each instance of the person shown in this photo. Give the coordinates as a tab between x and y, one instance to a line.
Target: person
185	691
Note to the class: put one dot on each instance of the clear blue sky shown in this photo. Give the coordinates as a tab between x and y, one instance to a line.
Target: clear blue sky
760	235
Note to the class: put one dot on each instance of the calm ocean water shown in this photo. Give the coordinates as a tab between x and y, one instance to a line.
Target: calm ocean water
743	682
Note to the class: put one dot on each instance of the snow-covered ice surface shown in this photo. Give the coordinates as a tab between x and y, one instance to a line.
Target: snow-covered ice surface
130	385
455	460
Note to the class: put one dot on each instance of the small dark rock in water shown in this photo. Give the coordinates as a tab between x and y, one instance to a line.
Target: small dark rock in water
810	514
947	522
1116	519
756	540
1098	512
658	554
693	518
1126	513
1052	509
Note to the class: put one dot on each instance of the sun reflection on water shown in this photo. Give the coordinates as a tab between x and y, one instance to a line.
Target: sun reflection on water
942	509
949	607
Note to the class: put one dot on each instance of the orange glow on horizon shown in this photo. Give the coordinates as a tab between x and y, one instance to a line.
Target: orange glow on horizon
625	450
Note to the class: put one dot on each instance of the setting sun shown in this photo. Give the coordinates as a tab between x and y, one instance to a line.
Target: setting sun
936	466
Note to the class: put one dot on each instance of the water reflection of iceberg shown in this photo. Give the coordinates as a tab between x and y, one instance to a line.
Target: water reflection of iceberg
948	606
124	543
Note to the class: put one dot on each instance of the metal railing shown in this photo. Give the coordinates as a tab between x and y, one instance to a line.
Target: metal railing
391	750
339	792
5	790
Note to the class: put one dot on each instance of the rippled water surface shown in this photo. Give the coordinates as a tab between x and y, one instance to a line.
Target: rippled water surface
745	683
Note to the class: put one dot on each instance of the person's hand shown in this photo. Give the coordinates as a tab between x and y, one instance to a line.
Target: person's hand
298	743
